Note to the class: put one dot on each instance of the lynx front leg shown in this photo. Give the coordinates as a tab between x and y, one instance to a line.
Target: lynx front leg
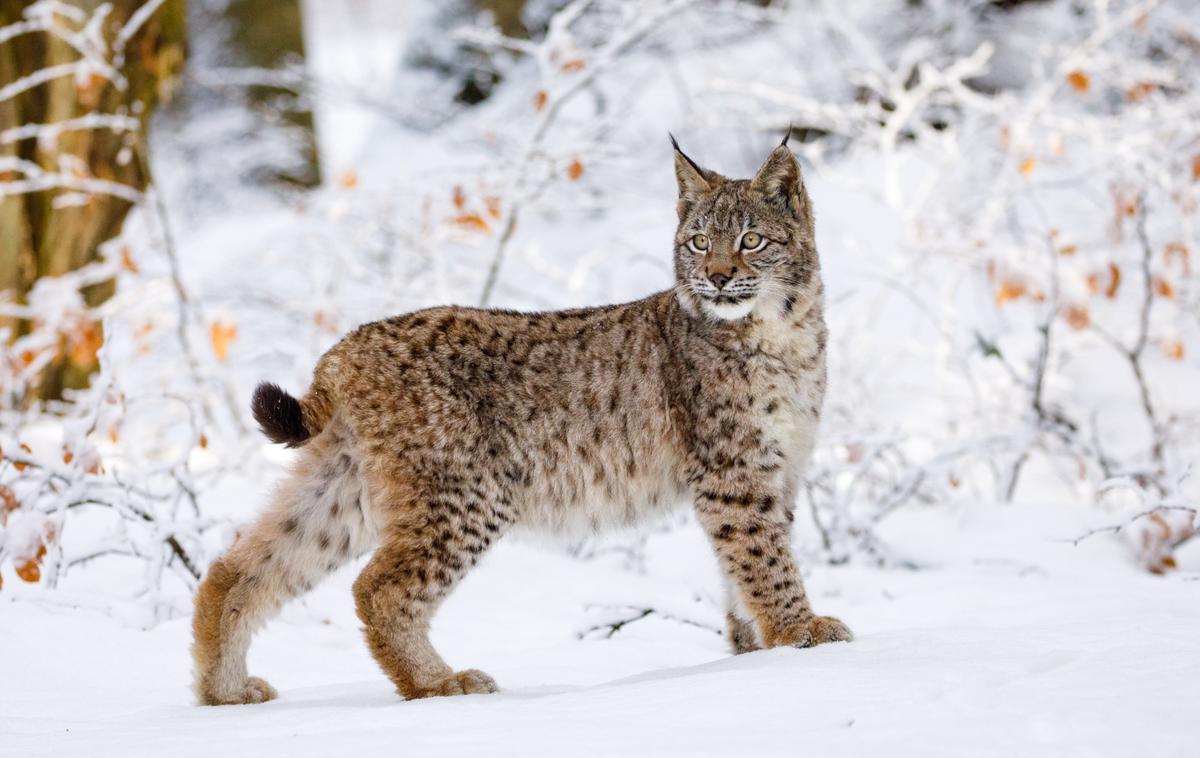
740	629
750	533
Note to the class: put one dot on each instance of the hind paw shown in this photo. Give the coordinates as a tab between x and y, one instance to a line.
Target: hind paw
255	690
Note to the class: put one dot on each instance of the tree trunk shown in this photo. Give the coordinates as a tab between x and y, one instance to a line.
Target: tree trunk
269	34
38	238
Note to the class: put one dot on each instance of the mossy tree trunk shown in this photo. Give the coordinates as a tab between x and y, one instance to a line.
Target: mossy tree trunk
38	238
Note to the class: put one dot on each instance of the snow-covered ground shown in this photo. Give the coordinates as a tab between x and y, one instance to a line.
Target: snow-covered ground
1008	642
1005	638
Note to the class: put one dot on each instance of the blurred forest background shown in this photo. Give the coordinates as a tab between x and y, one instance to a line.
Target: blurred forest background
196	195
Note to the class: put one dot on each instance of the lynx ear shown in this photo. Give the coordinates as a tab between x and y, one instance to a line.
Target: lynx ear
693	180
779	179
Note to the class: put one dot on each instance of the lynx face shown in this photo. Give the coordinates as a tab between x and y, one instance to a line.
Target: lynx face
742	244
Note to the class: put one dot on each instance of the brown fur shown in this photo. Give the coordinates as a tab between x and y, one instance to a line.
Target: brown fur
431	434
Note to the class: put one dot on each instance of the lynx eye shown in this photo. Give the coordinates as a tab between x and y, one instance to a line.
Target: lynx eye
699	243
752	241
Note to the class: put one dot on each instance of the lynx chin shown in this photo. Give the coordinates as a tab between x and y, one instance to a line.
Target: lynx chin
427	436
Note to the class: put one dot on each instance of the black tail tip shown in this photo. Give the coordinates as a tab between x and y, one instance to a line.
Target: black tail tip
279	415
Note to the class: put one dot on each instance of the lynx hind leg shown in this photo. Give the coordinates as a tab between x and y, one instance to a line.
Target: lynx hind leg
428	544
314	525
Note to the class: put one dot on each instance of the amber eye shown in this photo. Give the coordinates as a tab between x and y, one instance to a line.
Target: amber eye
751	240
699	243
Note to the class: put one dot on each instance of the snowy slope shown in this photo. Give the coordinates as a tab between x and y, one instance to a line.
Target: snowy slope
1010	642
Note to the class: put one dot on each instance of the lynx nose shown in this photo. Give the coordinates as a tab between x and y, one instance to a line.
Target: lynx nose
718	279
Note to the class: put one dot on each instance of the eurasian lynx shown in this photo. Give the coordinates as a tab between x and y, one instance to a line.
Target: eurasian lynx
429	435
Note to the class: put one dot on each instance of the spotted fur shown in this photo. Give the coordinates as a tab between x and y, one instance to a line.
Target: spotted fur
428	436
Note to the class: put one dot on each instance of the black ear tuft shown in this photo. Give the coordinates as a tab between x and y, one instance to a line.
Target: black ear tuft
694	182
787	135
779	177
702	173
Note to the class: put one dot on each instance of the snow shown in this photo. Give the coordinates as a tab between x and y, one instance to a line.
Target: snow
1004	638
1008	641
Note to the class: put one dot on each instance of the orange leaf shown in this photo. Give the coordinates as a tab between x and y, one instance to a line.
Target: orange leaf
493	206
1114	281
1076	316
203	440
1196	168
1174	250
83	343
1027	166
539	100
68	456
127	261
1173	348
1079	81
1140	91
1163	288
348	180
1010	289
28	570
573	65
472	221
1068	250
18	465
8	499
459	199
8	503
222	334
575	170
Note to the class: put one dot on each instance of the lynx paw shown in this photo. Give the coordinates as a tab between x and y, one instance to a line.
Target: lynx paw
254	691
468	682
819	630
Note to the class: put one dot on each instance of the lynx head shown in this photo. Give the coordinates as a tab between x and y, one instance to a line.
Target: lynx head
743	245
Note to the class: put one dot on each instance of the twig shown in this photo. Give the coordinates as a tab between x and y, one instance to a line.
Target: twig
1115	528
637	614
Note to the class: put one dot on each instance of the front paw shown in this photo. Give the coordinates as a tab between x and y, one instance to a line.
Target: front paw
469	682
816	631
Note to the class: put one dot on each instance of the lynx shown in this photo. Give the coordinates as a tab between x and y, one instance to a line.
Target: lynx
428	436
